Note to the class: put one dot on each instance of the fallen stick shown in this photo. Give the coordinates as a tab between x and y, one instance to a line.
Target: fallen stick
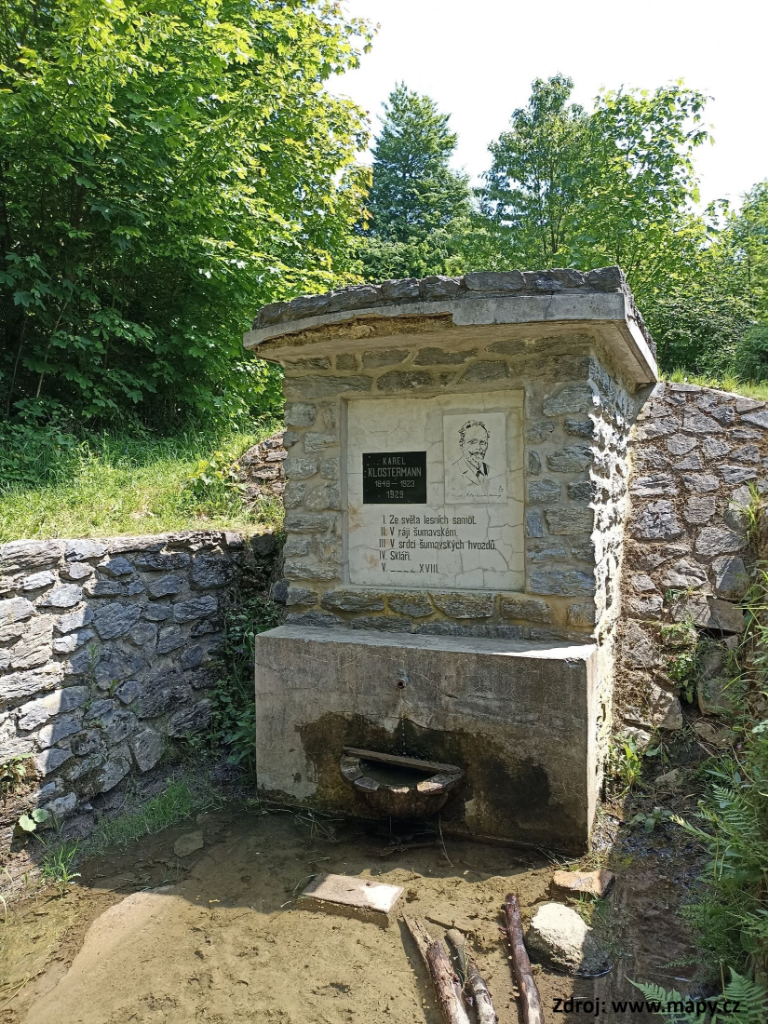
440	970
481	997
521	965
486	1014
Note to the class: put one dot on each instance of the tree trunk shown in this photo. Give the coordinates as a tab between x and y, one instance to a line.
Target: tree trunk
521	965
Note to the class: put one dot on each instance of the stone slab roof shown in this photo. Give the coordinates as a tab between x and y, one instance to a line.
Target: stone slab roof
477	300
412	290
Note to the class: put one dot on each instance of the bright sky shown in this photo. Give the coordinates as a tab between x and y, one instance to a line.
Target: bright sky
477	59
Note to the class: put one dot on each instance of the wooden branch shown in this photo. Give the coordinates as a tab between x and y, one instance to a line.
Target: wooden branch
440	970
521	965
486	1014
420	935
474	981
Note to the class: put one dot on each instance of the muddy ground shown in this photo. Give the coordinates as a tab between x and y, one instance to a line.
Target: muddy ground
217	936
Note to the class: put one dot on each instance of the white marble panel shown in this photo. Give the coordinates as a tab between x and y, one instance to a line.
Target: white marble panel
468	535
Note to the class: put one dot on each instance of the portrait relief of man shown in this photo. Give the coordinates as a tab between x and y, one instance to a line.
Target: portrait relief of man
475	458
473	441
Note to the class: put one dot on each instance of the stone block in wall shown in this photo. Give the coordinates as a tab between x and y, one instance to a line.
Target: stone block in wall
684	575
35	647
659	709
82	550
561	582
351	601
656	521
297	468
571	398
570	459
709	613
147	746
569	520
195	608
312	386
190	720
211	571
114	619
17	686
717	540
414	606
731	577
466	605
530	609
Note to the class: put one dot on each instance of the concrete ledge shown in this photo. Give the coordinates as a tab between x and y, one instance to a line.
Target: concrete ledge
518	717
629	338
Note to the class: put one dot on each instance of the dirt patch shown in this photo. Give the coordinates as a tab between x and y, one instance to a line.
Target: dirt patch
218	936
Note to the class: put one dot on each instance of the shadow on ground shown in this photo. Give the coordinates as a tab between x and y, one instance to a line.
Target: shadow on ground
150	936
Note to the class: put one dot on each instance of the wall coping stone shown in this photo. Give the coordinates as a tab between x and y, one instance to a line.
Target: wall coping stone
477	299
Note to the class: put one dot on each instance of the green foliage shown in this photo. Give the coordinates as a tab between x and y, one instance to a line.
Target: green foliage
731	916
704	330
750	997
56	867
175	804
750	356
216	478
122	481
13	772
417	205
682	643
29	822
747	241
624	765
234	708
164	170
414	191
614	186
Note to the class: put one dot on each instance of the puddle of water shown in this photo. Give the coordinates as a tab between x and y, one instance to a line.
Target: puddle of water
394	775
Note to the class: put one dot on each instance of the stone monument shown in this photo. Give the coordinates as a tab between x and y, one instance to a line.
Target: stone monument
455	503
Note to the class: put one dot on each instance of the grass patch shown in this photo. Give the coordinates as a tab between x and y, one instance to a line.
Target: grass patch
175	804
727	382
55	485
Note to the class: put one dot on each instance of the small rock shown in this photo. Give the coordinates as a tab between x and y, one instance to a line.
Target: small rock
718	735
593	883
188	844
561	938
669	780
66	596
712	695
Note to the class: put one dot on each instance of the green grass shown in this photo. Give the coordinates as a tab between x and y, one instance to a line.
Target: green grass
175	804
725	383
55	485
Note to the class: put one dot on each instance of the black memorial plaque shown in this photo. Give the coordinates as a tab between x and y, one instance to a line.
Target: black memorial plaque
395	478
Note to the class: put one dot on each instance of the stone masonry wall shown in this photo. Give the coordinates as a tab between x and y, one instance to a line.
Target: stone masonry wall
105	652
695	453
577	421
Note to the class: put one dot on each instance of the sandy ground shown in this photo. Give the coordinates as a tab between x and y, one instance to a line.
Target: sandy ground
218	936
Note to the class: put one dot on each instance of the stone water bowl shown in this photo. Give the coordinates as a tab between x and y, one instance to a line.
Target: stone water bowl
399	787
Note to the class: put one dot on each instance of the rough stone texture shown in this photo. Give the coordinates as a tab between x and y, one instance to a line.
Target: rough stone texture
590	883
88	683
690	544
575	485
560	938
515	282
